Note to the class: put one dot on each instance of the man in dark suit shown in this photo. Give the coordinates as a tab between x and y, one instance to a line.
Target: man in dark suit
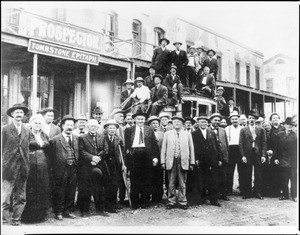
158	95
174	85
15	164
252	144
208	159
50	129
221	135
161	58
229	108
180	60
125	94
64	158
206	83
149	80
211	63
142	154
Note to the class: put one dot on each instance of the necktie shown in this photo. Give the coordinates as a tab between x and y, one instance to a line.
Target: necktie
81	132
111	139
141	137
69	140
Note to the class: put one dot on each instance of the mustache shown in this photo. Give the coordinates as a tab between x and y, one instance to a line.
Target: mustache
19	116
69	129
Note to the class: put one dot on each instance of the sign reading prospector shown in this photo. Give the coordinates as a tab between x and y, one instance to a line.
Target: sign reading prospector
49	49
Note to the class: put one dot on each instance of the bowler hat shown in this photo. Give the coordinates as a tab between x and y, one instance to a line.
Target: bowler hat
189	119
128	81
98	109
82	117
153	118
173	67
111	122
234	114
202	117
288	121
164	114
177	43
152	67
252	113
139	79
230	98
49	109
178	118
162	39
17	106
210	50
215	115
67	117
139	113
158	76
115	111
220	88
273	115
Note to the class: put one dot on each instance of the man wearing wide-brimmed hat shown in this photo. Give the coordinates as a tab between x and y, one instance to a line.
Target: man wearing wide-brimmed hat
149	80
191	69
50	129
129	90
188	124
142	153
252	144
180	60
221	102
15	164
64	162
164	118
229	108
158	95
208	159
211	63
161	58
177	157
206	83
81	125
174	85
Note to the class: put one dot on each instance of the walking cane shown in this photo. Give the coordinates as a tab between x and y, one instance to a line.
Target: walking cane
124	177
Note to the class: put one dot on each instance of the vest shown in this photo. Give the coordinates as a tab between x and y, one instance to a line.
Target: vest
71	154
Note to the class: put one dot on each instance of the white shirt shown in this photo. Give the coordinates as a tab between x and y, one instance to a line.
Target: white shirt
233	134
142	93
177	52
173	76
66	136
204	80
128	92
137	137
18	129
192	61
163	48
47	128
203	132
230	109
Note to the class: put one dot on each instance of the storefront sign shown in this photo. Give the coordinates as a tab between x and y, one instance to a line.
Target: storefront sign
49	49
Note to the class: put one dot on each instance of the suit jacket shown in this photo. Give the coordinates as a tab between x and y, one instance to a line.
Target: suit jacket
287	149
210	82
223	142
246	140
209	152
161	59
124	95
187	154
59	154
160	95
54	131
179	60
151	144
169	82
213	66
226	111
149	82
160	128
14	148
159	136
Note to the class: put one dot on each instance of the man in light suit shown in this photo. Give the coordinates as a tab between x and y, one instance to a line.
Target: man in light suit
206	83
158	95
142	154
158	190
64	158
129	90
252	144
15	164
212	63
177	157
221	135
161	58
50	129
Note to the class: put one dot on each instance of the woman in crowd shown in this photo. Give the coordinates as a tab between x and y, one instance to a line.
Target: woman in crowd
37	188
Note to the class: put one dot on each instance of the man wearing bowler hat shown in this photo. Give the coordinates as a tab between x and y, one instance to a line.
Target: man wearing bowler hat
229	108
191	68
149	80
15	164
252	144
64	158
81	125
188	124
129	90
50	129
161	58
97	114
142	153
177	157
158	95
180	60
174	85
211	63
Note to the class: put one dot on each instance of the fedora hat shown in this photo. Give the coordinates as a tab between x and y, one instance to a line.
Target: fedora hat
215	115
82	117
173	67
162	39
128	81
178	118
17	106
115	111
158	76
192	47
111	122
49	109
163	114
139	79
98	109
234	114
152	67
153	118
252	113
67	117
203	117
177	43
210	50
189	119
220	88
288	121
273	115
230	98
139	113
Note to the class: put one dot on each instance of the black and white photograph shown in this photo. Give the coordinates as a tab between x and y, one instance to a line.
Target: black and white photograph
149	117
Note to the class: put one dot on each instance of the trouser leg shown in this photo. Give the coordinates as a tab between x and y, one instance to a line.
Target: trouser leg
121	187
7	189
157	184
222	179
246	179
232	161
182	177
285	176
257	176
294	182
212	180
97	178
70	189
84	194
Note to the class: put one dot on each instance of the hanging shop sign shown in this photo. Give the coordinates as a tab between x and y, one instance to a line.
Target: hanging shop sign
62	52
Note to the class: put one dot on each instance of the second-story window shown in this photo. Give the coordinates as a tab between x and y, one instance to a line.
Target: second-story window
60	14
219	59
237	72
257	78
110	26
269	85
158	34
248	75
137	36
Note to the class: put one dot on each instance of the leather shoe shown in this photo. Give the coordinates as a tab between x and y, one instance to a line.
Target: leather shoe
294	199
15	223
111	210
84	214
59	217
259	196
224	197
69	215
284	198
246	197
184	207
215	204
102	213
170	206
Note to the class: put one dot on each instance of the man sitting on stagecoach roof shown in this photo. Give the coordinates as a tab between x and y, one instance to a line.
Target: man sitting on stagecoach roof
174	85
221	102
206	83
129	90
149	80
158	95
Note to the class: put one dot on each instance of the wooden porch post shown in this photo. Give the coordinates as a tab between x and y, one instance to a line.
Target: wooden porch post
34	85
88	92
